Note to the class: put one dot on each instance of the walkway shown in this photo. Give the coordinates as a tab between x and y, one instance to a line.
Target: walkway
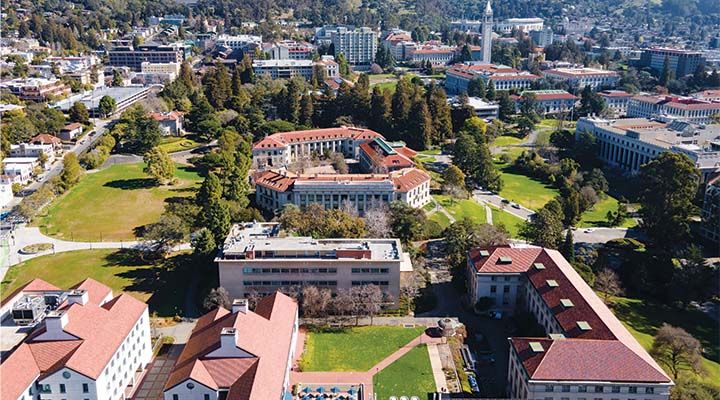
366	378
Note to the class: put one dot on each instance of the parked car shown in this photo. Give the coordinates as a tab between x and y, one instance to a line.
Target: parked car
505	201
515	205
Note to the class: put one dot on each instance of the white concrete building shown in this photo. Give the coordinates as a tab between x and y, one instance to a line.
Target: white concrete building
688	109
291	50
617	101
238	42
483	109
458	77
255	258
238	353
19	169
581	77
502	27
629	143
358	45
587	353
288	68
89	344
487	30
170	69
28	150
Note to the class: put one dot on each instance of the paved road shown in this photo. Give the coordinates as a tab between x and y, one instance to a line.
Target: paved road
482	196
602	235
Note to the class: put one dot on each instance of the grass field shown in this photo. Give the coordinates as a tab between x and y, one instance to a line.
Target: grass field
161	286
502	141
431	152
525	191
643	318
511	222
461	209
410	375
354	348
108	205
441	219
597	216
172	144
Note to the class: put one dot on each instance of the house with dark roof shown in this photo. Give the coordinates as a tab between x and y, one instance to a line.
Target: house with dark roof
238	354
587	353
91	344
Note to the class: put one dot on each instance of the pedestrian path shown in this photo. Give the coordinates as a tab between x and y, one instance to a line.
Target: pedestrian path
488	215
436	365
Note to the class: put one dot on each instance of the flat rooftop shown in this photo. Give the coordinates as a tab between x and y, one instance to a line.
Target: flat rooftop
91	99
261	240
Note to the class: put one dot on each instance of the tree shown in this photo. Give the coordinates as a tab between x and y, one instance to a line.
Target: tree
677	350
343	66
217	298
218	85
203	243
159	165
380	116
407	223
402	102
79	113
666	74
186	76
476	88
608	282
694	389
619	216
367	300
306	110
419	129
568	246
377	220
117	79
440	113
545	227
490	92
161	236
106	106
454	179
694	279
217	219
668	186
315	302
360	94
210	190
506	107
140	132
463	235
72	171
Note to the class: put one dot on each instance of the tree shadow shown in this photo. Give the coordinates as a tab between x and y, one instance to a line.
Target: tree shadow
132	184
126	258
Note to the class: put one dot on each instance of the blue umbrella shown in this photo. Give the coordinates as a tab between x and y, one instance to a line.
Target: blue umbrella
307	389
335	389
321	389
351	390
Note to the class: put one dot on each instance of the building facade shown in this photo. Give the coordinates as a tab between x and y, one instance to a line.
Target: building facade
627	144
238	353
255	259
358	45
291	50
487	33
548	102
587	353
681	62
36	89
133	58
458	77
688	109
88	344
617	101
581	77
288	68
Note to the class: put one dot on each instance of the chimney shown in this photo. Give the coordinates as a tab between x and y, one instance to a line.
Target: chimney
240	305
55	321
79	296
228	338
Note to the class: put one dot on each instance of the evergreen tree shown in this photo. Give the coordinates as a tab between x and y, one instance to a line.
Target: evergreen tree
476	88
568	246
236	81
216	215
361	98
306	110
79	113
344	67
440	113
666	73
186	76
210	190
545	227
380	111
490	91
401	102
506	106
419	131
465	54
247	74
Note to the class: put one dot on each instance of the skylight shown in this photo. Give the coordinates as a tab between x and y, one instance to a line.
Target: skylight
539	266
552	283
536	347
484	253
505	260
583	325
566	303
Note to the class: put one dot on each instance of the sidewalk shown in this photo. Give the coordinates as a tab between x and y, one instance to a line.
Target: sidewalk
436	364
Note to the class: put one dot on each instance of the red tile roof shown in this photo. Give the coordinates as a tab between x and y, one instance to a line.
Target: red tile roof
282	139
265	334
35	285
614	93
17	372
96	290
45	138
72	127
404	179
379	159
166	116
408	179
629	361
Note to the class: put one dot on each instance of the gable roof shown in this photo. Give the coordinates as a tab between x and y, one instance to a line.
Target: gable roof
35	285
282	139
266	334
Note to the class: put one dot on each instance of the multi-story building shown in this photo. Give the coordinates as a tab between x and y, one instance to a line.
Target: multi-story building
255	258
381	156
616	101
548	101
124	97
358	45
398	42
239	45
458	77
588	353
171	123
629	143
710	227
84	343
437	55
133	58
33	151
544	37
680	62
286	69
283	148
503	27
238	353
36	89
482	108
171	70
276	188
707	95
581	77
291	50
685	108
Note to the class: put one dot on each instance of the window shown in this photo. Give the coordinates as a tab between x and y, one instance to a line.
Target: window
506	289
632	389
598	389
616	389
206	396
62	388
582	389
565	388
85	388
549	388
66	374
493	289
649	390
175	397
190	385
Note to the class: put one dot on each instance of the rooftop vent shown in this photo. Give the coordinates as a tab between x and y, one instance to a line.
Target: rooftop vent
484	253
79	296
583	325
505	260
536	347
539	266
552	283
240	305
566	303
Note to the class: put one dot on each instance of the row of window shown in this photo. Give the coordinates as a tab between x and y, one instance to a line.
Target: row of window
289	283
205	397
376	283
249	271
599	389
370	270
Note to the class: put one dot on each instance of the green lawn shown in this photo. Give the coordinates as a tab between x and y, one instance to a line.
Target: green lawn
511	222
597	216
161	286
526	191
643	318
424	158
431	152
354	348
503	141
461	209
109	204
172	144
441	219
410	375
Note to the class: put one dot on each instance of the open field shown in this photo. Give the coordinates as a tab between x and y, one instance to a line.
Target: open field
461	209
511	222
161	286
410	375
503	141
597	216
354	348
525	191
172	144
441	219
109	204
644	318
